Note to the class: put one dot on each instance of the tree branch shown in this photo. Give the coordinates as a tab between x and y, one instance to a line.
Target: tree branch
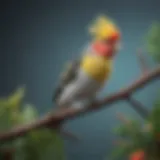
59	116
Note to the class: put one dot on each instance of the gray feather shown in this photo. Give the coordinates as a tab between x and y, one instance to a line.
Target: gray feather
67	77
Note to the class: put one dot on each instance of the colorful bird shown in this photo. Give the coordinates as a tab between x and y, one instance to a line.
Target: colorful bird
81	82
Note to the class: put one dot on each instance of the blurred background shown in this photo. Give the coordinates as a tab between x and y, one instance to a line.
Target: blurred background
37	39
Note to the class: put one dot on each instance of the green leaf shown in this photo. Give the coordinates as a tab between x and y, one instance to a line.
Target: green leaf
5	119
128	130
136	137
153	41
3	102
59	147
9	109
28	114
139	138
155	118
15	99
120	152
40	144
43	144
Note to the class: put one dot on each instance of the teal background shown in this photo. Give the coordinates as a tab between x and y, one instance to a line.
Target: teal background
39	37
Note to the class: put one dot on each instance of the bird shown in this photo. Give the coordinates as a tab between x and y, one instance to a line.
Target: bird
83	78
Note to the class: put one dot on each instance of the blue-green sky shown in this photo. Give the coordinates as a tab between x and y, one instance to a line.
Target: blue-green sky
38	37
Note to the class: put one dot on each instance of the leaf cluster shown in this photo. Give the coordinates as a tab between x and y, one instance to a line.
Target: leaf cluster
40	144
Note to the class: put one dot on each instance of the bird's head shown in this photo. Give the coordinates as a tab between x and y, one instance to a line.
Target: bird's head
106	37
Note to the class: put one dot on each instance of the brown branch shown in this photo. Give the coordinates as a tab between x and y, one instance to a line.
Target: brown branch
136	105
60	115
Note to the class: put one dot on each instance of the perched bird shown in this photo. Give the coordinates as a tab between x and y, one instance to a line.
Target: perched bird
84	78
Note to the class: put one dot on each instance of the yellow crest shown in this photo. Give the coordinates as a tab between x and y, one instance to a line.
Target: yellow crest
103	27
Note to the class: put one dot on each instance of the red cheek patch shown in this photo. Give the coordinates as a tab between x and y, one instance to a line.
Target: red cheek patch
102	49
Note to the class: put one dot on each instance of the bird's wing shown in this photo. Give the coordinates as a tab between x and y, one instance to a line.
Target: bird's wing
67	76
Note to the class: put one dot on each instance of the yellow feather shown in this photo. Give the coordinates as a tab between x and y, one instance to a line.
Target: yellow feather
97	67
103	27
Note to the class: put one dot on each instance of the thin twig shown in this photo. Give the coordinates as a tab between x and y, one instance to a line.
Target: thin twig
70	135
122	118
68	113
138	106
61	130
142	61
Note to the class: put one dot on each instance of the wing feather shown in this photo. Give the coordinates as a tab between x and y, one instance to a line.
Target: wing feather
69	74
